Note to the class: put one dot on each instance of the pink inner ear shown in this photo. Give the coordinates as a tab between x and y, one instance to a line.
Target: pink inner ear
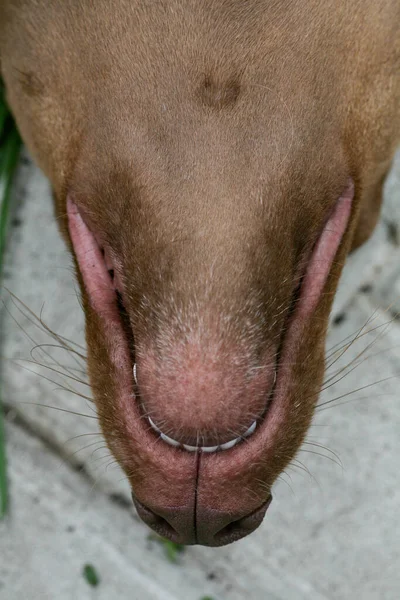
324	253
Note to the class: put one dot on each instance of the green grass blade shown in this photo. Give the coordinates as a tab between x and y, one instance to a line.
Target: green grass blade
3	110
3	114
9	153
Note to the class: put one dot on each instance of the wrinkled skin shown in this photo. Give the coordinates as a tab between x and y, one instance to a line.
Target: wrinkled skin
212	164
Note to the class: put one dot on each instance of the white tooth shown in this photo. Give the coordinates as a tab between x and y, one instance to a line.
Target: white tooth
209	448
250	429
169	440
154	426
230	444
190	448
134	373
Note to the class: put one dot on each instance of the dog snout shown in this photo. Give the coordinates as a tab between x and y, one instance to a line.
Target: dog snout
205	526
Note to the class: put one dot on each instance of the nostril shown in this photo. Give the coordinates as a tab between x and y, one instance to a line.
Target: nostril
161	525
235	530
156	522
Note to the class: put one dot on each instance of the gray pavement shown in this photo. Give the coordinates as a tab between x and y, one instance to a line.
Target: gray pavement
332	533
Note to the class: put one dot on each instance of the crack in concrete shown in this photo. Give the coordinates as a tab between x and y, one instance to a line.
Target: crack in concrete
11	414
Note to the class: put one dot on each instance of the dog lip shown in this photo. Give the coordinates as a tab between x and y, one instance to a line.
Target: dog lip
205	449
102	298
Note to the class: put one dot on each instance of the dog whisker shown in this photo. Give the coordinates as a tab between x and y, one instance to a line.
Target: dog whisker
328	402
72	412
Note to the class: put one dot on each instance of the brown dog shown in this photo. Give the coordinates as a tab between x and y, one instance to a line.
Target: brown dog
213	162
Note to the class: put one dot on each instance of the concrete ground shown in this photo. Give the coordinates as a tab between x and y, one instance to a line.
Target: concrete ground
332	531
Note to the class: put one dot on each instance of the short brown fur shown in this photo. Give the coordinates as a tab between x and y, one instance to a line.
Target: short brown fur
208	133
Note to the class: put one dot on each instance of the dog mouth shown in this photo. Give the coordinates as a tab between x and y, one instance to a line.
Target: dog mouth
195	491
102	283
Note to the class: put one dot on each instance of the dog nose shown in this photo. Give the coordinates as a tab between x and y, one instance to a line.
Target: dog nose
208	527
